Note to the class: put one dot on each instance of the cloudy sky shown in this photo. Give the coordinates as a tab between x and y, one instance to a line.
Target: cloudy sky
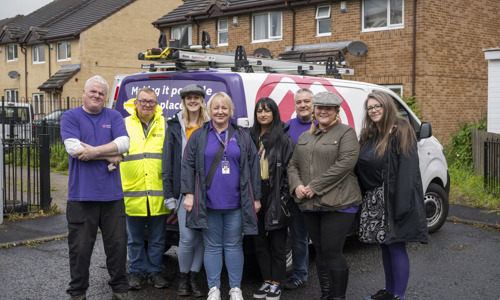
10	8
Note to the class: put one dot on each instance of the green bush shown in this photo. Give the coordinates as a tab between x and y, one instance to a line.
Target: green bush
412	103
59	160
459	148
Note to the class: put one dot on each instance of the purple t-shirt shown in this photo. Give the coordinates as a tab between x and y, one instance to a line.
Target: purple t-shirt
91	180
224	191
297	127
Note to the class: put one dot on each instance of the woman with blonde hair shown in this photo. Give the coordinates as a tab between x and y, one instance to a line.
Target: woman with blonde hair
180	128
393	211
221	182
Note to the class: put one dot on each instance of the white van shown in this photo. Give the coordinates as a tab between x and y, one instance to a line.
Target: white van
16	121
247	88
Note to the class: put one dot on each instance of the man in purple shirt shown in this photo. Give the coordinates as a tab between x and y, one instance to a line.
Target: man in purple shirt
95	137
298	231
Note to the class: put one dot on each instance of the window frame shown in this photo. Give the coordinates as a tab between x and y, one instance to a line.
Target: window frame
320	19
15	55
173	30
67	58
222	31
394	87
269	38
389	24
39	104
36	50
8	95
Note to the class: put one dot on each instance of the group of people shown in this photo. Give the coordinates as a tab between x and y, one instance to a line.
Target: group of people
223	182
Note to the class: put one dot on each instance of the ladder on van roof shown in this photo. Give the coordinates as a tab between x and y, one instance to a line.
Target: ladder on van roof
185	57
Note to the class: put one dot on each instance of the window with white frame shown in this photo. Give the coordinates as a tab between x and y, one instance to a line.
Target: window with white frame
222	32
12	95
266	26
175	33
38	52
39	103
396	88
323	20
382	14
64	51
11	52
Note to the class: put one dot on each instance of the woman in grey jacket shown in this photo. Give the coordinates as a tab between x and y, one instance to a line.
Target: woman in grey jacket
323	184
393	210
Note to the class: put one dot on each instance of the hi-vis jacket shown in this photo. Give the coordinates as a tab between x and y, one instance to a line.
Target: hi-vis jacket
141	166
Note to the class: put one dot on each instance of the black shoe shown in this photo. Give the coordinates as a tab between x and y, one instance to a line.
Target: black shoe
79	297
136	282
294	283
381	295
184	289
123	296
261	293
158	281
195	287
274	292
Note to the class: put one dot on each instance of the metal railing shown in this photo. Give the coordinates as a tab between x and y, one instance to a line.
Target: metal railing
492	165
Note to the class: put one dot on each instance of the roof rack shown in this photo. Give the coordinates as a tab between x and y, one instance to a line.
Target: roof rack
181	56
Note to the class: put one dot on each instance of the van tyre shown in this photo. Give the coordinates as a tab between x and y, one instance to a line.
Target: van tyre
436	207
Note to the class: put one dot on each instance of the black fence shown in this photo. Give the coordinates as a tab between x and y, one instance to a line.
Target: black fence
492	165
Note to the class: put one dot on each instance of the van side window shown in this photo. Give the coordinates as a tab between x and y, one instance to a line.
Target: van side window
404	113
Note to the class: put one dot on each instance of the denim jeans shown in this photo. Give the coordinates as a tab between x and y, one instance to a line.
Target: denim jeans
224	233
191	248
300	247
141	262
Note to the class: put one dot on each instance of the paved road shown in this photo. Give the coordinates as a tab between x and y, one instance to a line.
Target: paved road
460	262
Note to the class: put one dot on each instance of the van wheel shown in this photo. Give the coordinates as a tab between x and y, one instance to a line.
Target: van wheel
436	207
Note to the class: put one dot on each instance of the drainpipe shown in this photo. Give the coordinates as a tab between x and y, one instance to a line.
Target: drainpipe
414	54
50	60
23	51
293	24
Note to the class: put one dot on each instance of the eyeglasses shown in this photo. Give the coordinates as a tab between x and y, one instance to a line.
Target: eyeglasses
377	107
147	102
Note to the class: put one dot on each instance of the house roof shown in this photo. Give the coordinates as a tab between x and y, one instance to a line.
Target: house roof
57	81
204	9
62	19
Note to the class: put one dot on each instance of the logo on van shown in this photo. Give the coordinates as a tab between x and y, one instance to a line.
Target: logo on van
282	88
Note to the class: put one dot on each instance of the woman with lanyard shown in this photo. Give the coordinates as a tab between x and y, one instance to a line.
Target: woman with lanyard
323	184
275	150
220	178
180	128
393	210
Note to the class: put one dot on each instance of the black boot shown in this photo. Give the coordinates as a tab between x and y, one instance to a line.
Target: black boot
195	287
324	282
338	283
184	288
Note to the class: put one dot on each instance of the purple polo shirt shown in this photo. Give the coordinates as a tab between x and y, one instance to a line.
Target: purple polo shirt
297	127
224	192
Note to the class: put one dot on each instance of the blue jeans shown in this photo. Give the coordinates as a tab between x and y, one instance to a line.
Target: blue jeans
141	262
224	232
191	248
300	247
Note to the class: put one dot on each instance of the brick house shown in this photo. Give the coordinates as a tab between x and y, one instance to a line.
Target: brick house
50	53
429	49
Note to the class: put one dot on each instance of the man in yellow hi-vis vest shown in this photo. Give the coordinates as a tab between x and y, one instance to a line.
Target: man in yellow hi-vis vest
143	189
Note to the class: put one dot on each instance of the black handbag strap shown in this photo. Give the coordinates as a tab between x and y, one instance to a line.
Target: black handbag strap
216	161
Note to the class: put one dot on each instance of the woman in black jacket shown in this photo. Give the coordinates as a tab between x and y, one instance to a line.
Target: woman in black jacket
393	210
275	150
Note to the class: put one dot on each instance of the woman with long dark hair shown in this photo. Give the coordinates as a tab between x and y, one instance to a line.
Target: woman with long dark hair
275	149
393	211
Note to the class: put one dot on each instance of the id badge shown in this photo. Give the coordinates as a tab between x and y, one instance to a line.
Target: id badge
225	167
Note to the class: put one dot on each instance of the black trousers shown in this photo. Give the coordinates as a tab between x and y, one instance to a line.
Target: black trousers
84	218
270	246
328	232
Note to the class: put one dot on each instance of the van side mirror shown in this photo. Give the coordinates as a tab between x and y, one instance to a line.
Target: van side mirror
425	130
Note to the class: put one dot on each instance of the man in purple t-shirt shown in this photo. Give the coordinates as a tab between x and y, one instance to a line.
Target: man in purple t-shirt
95	137
298	231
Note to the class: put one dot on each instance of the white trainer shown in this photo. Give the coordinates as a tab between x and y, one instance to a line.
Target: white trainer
214	294
235	294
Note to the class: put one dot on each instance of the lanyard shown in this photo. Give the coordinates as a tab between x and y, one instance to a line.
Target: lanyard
261	151
225	143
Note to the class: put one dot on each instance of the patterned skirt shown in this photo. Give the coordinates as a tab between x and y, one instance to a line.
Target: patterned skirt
372	218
